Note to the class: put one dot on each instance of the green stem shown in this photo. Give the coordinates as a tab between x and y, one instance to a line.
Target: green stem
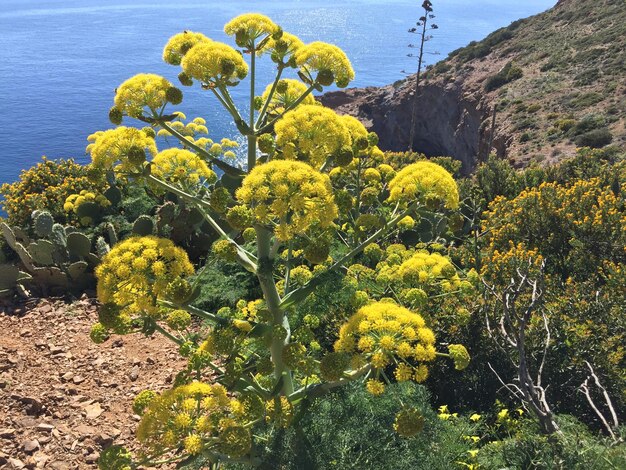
259	120
227	103
265	275
167	334
267	126
225	167
252	136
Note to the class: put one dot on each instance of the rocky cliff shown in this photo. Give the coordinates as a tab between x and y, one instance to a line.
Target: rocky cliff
556	80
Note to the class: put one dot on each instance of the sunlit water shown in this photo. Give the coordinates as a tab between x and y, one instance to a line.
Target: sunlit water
61	60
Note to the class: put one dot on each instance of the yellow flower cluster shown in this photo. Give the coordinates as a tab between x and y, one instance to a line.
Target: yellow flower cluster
191	129
425	182
249	27
289	195
196	417
311	133
283	49
287	92
138	271
121	149
73	201
501	266
179	44
46	186
145	90
328	60
182	168
384	333
214	63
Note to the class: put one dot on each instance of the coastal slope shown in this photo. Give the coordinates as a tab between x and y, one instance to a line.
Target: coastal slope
556	81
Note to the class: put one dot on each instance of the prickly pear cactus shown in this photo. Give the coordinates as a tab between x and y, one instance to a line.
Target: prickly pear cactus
42	223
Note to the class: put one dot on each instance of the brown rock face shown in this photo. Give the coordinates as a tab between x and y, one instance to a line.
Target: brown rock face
448	121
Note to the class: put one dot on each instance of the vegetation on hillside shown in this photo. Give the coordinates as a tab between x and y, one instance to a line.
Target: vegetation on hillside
557	78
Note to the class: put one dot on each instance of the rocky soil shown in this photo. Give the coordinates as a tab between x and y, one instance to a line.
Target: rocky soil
63	398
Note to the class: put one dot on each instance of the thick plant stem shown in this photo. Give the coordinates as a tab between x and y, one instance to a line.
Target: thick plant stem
265	274
252	136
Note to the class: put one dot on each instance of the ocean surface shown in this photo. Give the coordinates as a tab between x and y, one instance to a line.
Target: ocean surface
60	60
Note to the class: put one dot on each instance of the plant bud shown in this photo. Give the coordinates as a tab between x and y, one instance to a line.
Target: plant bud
227	67
278	34
184	48
258	103
266	143
174	95
115	116
282	86
185	79
149	132
344	156
372	138
325	77
281	46
241	38
136	156
317	251
362	143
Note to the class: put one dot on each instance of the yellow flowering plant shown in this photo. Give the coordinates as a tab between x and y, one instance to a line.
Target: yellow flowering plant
313	193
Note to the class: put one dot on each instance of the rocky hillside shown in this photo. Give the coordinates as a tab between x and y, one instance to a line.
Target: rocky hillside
557	81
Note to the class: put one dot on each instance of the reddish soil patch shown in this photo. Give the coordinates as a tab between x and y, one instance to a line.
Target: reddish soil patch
62	397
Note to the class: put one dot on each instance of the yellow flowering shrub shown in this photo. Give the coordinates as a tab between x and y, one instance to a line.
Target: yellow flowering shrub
573	226
330	62
121	149
288	195
311	133
46	186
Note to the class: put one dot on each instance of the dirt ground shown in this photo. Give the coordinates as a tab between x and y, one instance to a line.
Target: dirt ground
62	397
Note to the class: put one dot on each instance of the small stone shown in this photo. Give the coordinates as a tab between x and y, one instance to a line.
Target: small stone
92	458
7	433
78	379
134	373
104	440
30	446
16	463
56	349
45	427
67	376
93	411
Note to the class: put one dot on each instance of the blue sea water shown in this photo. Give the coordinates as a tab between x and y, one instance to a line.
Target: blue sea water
60	60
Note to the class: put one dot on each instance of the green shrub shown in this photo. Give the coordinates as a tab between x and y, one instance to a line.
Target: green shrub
351	430
508	74
595	139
